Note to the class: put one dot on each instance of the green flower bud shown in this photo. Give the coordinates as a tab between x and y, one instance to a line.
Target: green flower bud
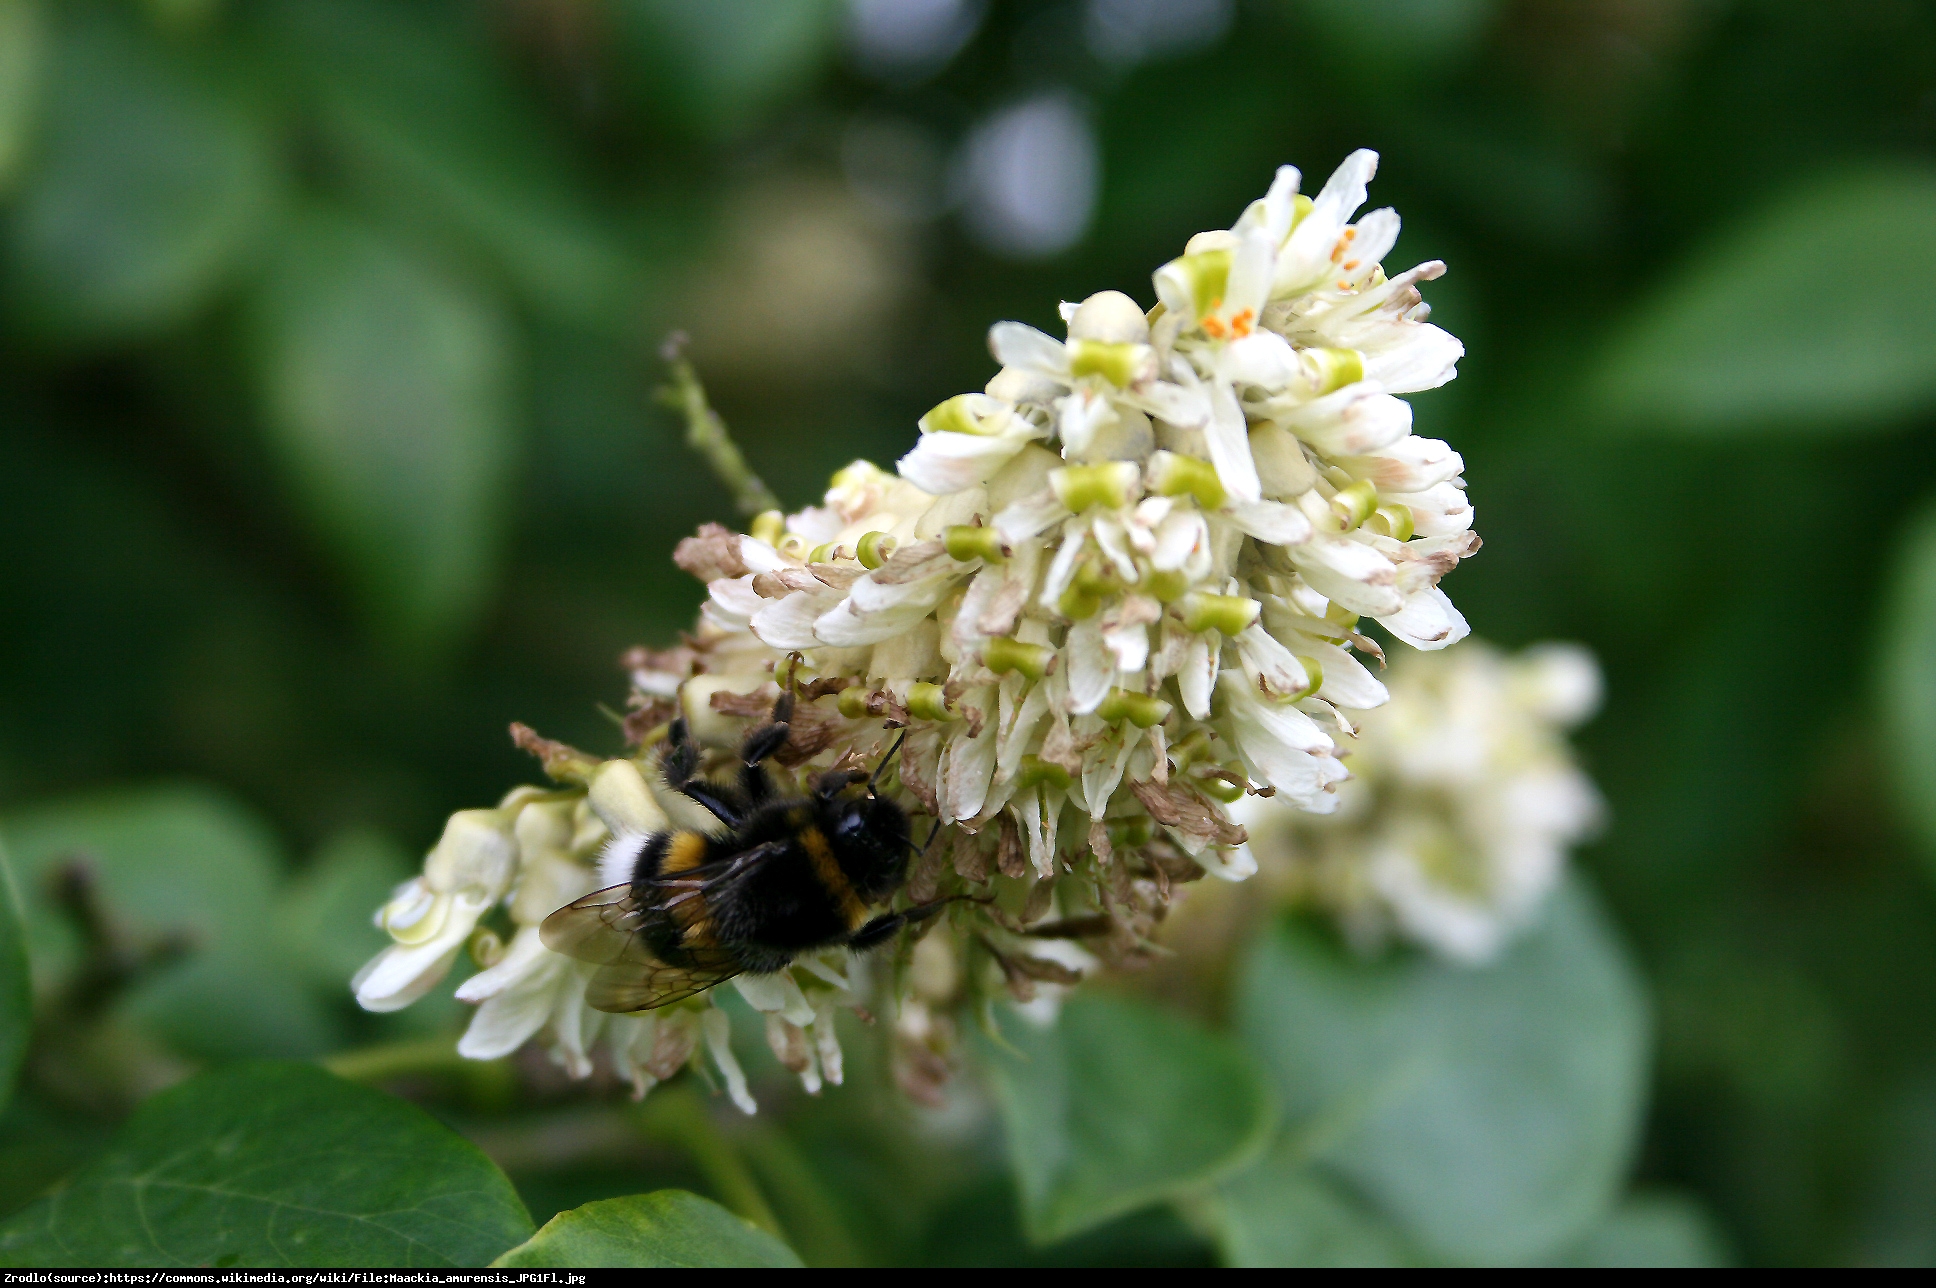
1313	671
1337	367
826	552
1338	615
930	702
486	948
1037	770
1165	585
769	526
1129	833
1077	604
852	701
968	414
1221	788
1121	365
965	541
1392	521
1004	655
1192	748
1300	206
793	546
1355	503
1203	277
622	801
1139	709
1112	484
1226	613
1171	474
874	549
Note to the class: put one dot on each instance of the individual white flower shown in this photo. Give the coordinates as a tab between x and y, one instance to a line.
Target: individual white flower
1464	801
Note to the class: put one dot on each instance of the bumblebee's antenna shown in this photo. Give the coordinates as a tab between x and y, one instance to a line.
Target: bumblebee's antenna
875	776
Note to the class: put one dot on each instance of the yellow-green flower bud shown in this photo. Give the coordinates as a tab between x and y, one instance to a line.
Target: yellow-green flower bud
1300	206
1036	770
968	414
852	701
1202	277
1129	833
874	549
622	801
1221	788
1336	368
930	702
965	541
1113	484
1192	748
769	526
1392	521
1338	615
1165	585
1313	671
1139	709
1121	365
1095	577
1077	604
1172	474
1004	655
826	552
486	948
793	546
1226	613
1355	503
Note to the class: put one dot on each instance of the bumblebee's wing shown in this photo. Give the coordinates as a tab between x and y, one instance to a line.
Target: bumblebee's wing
628	986
603	927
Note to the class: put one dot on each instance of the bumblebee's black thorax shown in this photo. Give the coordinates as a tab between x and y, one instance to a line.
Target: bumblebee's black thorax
826	863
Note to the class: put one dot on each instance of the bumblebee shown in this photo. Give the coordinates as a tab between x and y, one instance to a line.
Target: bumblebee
782	877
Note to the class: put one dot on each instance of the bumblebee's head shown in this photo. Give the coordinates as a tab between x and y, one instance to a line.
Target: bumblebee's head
869	834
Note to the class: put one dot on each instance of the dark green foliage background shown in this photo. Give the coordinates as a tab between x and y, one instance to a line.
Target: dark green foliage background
327	449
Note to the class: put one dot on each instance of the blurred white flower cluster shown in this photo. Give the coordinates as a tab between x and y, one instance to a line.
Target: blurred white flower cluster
1463	800
1106	597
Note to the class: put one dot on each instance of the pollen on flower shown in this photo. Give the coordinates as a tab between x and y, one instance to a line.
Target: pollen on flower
1097	603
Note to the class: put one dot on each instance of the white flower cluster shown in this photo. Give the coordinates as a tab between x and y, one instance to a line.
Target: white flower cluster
1148	546
1110	595
536	852
1462	803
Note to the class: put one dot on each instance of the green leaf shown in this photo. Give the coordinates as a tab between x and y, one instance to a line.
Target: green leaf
387	383
663	1230
1648	1231
175	860
23	53
426	126
1907	675
16	984
1279	1212
1819	313
719	66
1117	1105
275	1165
1490	1112
153	185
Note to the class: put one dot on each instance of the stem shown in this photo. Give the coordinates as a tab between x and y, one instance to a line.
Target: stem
396	1060
674	1114
706	432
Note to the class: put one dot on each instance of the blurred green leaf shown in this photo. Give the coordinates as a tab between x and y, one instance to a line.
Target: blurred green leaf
427	127
1650	1231
1817	313
717	67
323	915
175	860
662	1230
1907	676
16	984
1120	1104
1279	1212
275	1165
152	184
387	381
1388	43
1489	1112
23	53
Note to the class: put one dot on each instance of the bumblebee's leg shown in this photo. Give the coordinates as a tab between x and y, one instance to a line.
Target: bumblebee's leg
682	756
764	741
884	927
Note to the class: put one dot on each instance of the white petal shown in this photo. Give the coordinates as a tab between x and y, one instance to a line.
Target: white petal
1428	358
1197	676
1427	621
735	598
1269	664
1357	418
718	1031
1261	358
945	461
1228	438
1092	667
1411	464
400	975
1272	522
1024	520
1347	681
787	623
1016	345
